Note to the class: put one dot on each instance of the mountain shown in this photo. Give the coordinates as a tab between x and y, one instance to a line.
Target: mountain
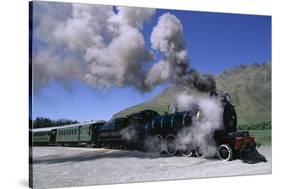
250	89
248	85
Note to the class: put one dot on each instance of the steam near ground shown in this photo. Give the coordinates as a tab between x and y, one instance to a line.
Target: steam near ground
130	133
199	134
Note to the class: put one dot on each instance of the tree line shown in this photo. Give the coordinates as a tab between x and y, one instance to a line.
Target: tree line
41	122
256	126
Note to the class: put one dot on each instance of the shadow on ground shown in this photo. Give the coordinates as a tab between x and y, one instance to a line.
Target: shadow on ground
87	156
107	154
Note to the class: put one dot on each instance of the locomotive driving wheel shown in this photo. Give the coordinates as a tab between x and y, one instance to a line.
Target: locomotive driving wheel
158	143
171	145
199	154
225	152
188	152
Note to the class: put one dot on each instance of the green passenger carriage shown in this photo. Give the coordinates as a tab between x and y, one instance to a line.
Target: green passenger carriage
75	134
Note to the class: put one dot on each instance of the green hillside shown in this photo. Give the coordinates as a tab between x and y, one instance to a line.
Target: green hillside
249	87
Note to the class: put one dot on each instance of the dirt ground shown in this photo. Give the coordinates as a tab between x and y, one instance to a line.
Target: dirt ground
66	166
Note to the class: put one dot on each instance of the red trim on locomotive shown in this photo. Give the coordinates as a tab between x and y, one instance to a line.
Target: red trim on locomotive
241	142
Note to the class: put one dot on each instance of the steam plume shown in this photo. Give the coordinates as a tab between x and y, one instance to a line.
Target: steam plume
199	134
106	45
167	38
103	46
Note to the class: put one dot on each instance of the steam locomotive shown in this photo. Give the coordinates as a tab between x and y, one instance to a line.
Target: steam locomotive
148	130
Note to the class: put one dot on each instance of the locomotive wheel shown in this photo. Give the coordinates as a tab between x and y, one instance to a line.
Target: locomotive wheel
171	145
187	152
158	143
199	154
225	152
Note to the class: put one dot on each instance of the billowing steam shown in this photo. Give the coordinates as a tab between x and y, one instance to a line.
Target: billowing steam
103	46
199	135
97	45
130	133
167	38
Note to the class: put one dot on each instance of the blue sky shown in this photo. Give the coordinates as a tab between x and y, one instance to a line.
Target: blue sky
215	42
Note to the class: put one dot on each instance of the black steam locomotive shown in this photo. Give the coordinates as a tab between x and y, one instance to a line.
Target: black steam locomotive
148	130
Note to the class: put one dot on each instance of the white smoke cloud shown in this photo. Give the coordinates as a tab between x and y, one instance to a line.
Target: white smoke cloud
200	133
167	38
120	62
159	73
84	28
167	35
107	46
60	69
130	133
134	17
